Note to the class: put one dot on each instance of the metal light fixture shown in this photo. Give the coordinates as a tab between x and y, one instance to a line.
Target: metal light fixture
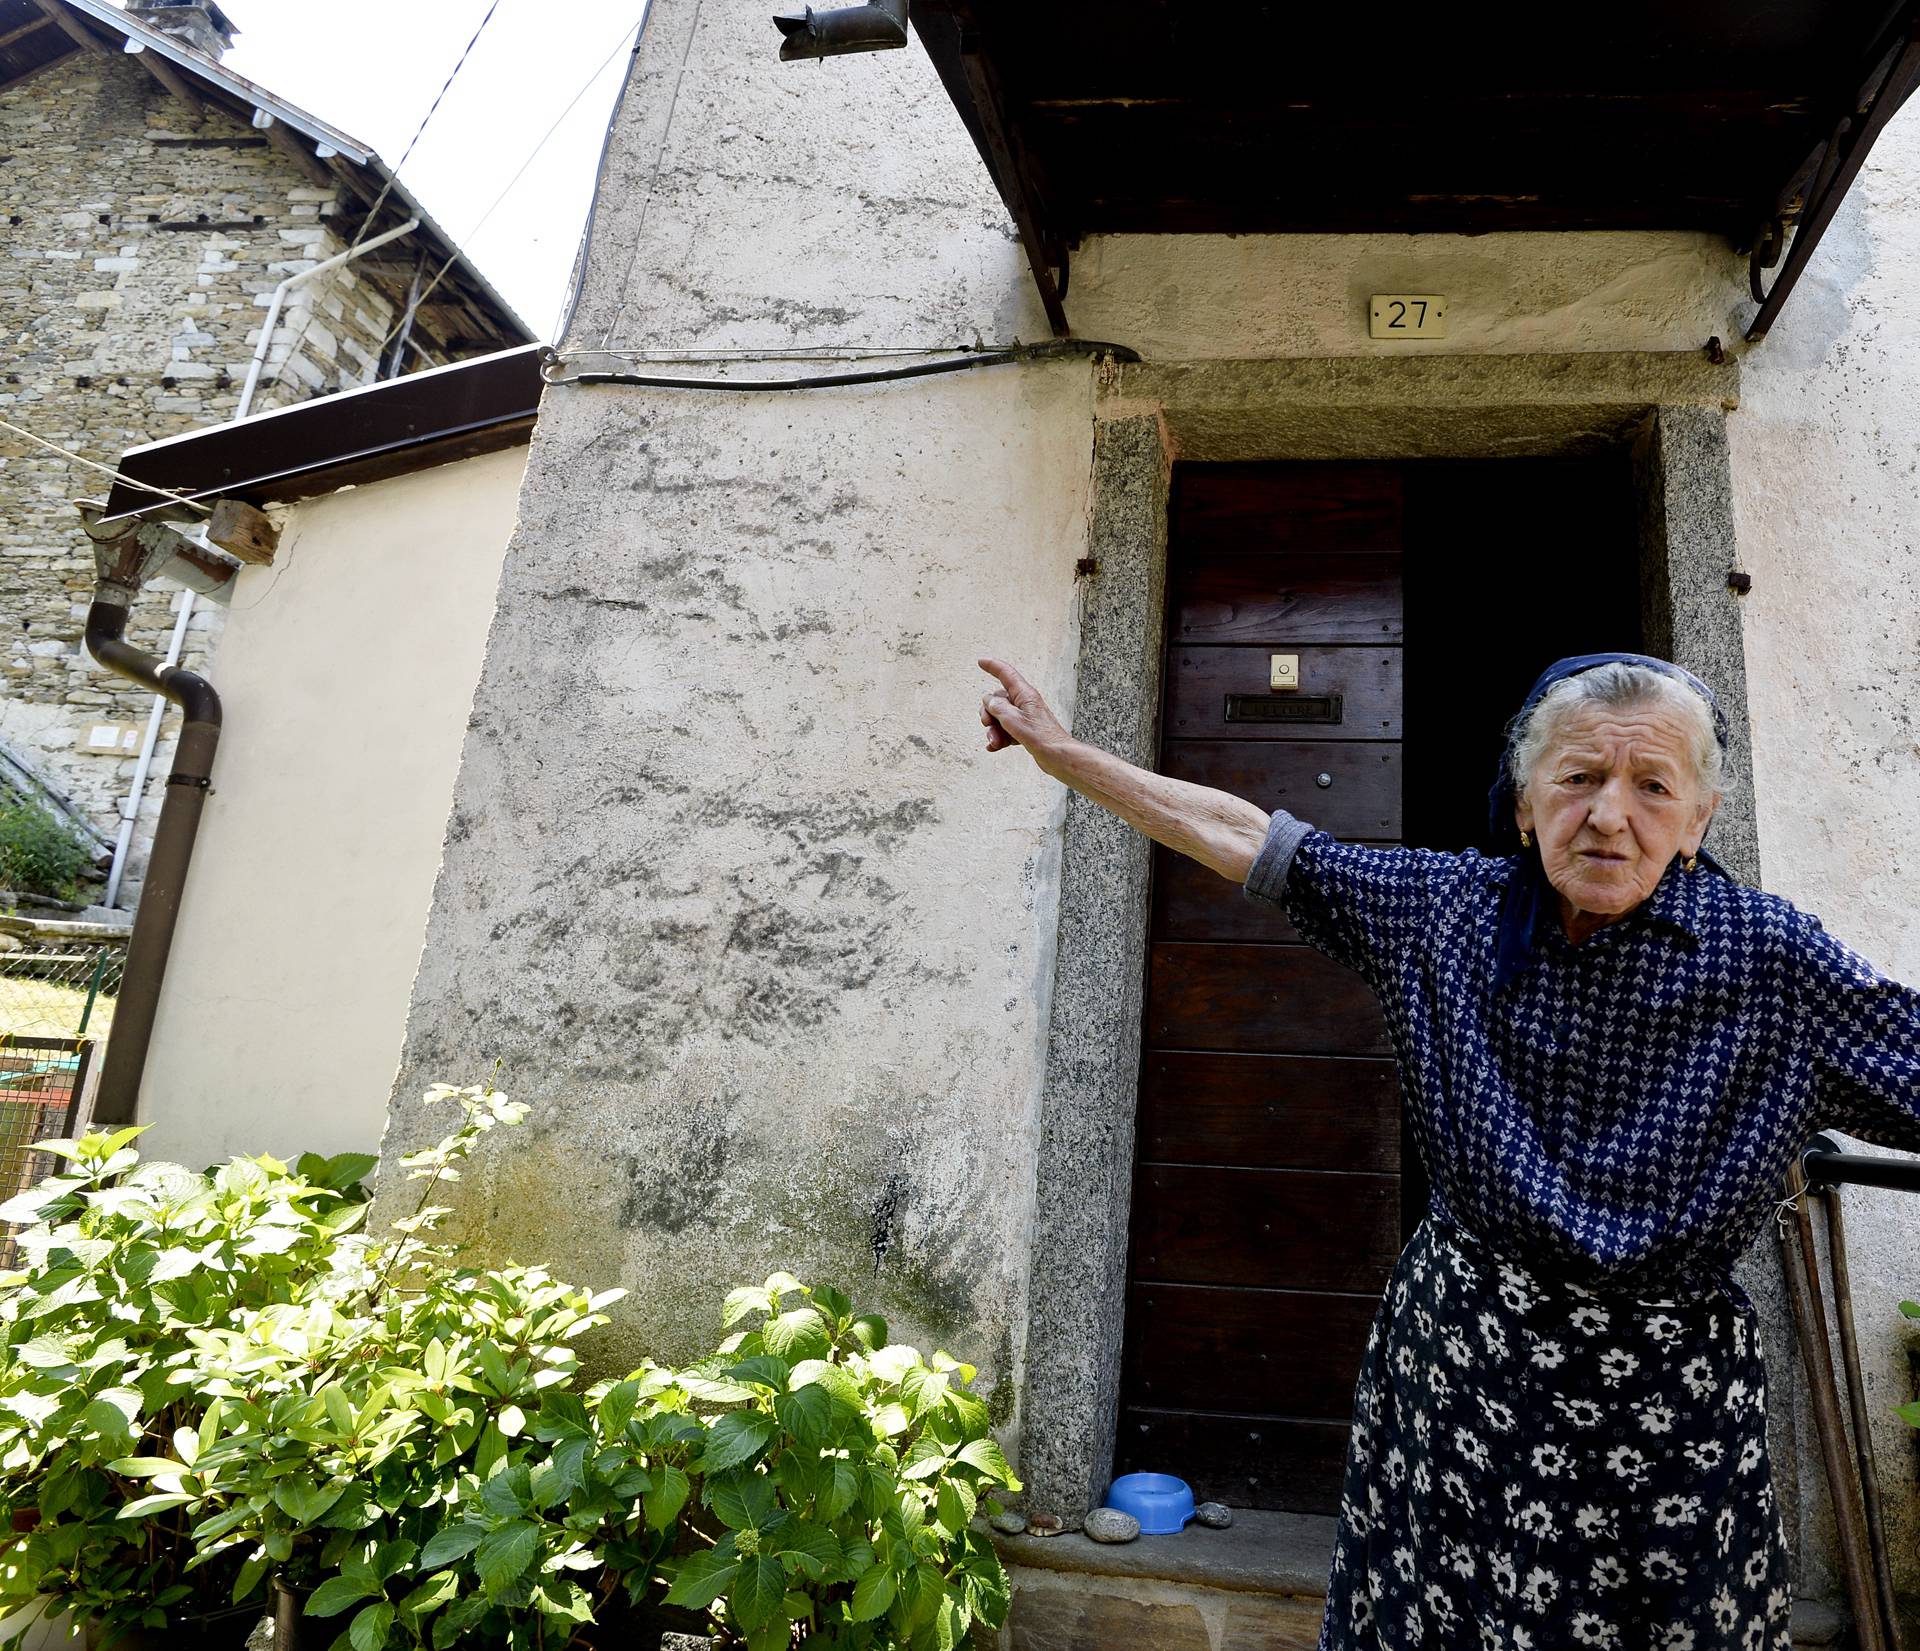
878	26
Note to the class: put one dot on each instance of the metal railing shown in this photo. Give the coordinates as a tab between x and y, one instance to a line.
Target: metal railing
1852	1474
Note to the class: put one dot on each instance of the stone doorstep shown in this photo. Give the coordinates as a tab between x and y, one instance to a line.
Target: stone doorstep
1265	1553
1259	1586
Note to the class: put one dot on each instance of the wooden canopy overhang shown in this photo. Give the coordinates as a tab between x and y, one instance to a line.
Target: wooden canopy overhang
1190	116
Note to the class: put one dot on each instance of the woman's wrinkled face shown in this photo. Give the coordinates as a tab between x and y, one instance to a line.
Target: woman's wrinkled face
1610	804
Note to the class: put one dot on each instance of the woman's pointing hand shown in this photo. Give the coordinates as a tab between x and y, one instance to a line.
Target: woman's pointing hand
1015	714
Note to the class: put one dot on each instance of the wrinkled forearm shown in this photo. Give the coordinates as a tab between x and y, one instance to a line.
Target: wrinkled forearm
1223	832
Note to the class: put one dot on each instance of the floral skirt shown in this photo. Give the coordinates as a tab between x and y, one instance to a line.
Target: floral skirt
1535	1466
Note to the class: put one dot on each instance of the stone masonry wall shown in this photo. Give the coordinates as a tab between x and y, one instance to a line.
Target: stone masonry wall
140	242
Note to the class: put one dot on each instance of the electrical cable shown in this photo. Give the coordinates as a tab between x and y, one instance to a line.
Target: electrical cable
106	469
555	368
393	177
467	240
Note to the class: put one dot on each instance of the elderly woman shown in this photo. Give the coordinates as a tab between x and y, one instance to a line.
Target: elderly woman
1610	1052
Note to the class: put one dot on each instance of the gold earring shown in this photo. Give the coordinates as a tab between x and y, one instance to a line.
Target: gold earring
1693	861
1525	840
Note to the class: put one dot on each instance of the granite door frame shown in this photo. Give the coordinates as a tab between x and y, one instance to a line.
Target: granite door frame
1669	410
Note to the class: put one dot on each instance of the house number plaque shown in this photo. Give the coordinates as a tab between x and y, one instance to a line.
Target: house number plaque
1407	315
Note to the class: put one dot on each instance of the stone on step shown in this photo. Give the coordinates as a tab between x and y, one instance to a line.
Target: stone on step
1111	1525
1215	1516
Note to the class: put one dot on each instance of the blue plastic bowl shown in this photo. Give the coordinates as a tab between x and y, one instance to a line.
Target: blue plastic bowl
1162	1503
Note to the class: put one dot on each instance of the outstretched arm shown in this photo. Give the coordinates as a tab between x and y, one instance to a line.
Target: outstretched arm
1223	832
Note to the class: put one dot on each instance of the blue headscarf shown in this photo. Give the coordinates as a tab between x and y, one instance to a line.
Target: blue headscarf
1530	898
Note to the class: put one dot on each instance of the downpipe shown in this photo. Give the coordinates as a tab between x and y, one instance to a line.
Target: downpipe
119	576
879	26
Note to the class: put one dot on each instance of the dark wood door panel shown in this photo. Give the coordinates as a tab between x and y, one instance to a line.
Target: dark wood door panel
1362	802
1287	602
1273	1229
1194	902
1244	1461
1268	1351
1269	1111
1279	1000
1298	508
1366	679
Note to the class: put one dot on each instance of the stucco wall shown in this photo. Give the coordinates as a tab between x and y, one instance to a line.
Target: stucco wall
346	671
757	926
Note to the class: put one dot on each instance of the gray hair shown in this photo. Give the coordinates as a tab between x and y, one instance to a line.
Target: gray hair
1621	687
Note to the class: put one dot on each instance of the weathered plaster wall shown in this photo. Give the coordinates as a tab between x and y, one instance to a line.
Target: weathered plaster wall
141	240
347	671
731	884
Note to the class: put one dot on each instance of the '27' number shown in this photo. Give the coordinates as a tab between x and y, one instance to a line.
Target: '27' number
1400	309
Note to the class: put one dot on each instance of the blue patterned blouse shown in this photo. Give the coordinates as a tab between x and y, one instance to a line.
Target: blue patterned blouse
1625	1109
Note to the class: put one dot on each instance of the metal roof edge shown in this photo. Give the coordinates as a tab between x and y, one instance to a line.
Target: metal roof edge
197	63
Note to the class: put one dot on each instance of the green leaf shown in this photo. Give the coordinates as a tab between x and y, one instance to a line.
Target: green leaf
806	1414
617	1406
449	1543
741	1302
304	1503
666	1499
504	1554
830	1300
924	1459
145	1467
701	1579
513	1421
987	1456
870	1330
764	1370
347	1169
846	1486
1909	1412
956	1506
810	1548
369	1631
758	1591
872	1594
1910	1308
152	1504
797	1335
338	1592
737	1437
742	1501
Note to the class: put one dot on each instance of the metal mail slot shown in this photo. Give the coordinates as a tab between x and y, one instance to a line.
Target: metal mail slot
1283	707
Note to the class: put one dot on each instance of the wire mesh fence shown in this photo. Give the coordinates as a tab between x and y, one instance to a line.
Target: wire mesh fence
41	1082
60	988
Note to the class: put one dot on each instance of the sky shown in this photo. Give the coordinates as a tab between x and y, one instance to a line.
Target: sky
372	67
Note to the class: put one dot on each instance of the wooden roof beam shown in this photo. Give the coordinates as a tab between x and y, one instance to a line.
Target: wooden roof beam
68	24
168	76
24	30
952	38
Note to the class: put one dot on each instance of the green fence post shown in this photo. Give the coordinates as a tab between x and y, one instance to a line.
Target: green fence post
93	990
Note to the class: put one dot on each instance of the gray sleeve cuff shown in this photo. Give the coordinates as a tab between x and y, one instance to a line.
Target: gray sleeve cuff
1268	875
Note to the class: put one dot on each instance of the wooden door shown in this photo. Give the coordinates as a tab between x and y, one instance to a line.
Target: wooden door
1269	1203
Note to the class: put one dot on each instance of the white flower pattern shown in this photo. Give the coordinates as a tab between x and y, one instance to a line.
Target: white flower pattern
1538	1465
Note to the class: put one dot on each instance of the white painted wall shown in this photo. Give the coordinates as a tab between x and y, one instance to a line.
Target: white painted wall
346	671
